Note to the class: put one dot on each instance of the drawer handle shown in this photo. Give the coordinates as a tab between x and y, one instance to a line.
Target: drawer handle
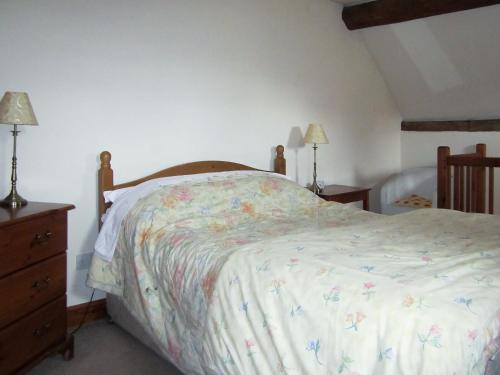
40	239
42	331
41	284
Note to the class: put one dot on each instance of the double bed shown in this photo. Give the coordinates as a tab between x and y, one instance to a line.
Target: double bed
224	269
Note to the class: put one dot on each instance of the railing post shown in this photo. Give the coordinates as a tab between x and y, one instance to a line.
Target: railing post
481	181
444	178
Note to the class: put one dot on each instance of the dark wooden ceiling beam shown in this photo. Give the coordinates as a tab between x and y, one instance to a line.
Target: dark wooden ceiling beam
452	126
385	12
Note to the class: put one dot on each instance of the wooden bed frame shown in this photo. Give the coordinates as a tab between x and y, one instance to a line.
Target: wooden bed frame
470	192
105	174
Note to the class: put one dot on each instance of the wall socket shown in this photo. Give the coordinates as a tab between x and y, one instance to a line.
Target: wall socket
83	261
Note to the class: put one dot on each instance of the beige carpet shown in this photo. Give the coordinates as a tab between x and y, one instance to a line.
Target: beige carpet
104	348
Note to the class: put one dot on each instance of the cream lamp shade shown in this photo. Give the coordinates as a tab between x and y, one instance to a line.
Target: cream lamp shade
315	134
15	109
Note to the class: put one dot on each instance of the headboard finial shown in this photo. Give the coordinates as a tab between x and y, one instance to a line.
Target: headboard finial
105	181
280	161
280	150
105	159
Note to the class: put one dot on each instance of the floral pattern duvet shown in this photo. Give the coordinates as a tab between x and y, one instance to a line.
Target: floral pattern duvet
256	275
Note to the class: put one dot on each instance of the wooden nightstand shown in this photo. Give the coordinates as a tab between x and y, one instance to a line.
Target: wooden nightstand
33	242
346	194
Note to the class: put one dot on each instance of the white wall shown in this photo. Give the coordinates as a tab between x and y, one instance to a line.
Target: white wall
159	83
420	149
443	67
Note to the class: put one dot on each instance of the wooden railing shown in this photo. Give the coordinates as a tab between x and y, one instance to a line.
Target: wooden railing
471	192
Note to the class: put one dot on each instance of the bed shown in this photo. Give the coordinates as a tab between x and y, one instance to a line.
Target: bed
245	272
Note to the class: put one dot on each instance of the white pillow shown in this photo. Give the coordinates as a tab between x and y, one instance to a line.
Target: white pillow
111	196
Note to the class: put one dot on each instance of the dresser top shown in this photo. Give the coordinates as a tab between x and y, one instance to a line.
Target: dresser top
31	210
341	189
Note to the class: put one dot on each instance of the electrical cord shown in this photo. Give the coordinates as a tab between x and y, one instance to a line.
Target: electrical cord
84	314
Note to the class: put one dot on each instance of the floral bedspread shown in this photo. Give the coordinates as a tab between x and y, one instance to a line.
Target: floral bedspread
256	275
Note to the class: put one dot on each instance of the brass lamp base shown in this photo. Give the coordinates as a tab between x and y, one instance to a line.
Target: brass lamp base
13	200
315	187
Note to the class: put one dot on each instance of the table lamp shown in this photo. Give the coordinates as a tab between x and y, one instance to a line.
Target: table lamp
315	135
15	109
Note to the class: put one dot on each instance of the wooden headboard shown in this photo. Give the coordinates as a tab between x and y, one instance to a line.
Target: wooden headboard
105	175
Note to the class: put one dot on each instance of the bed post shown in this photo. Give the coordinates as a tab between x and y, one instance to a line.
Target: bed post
105	181
444	178
280	161
480	177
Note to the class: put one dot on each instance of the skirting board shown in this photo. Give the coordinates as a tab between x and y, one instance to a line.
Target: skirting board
75	314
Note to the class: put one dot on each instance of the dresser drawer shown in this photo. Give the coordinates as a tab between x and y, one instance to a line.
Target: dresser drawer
26	290
33	240
30	336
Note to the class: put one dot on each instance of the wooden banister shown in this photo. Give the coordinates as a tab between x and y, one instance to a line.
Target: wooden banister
444	177
474	161
469	180
491	190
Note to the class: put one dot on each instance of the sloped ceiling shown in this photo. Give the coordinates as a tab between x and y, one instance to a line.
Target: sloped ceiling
441	68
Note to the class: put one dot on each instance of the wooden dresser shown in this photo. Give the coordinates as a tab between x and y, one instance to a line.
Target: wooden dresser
33	242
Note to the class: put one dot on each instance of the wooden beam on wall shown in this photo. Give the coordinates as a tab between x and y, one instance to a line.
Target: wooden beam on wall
452	126
385	12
